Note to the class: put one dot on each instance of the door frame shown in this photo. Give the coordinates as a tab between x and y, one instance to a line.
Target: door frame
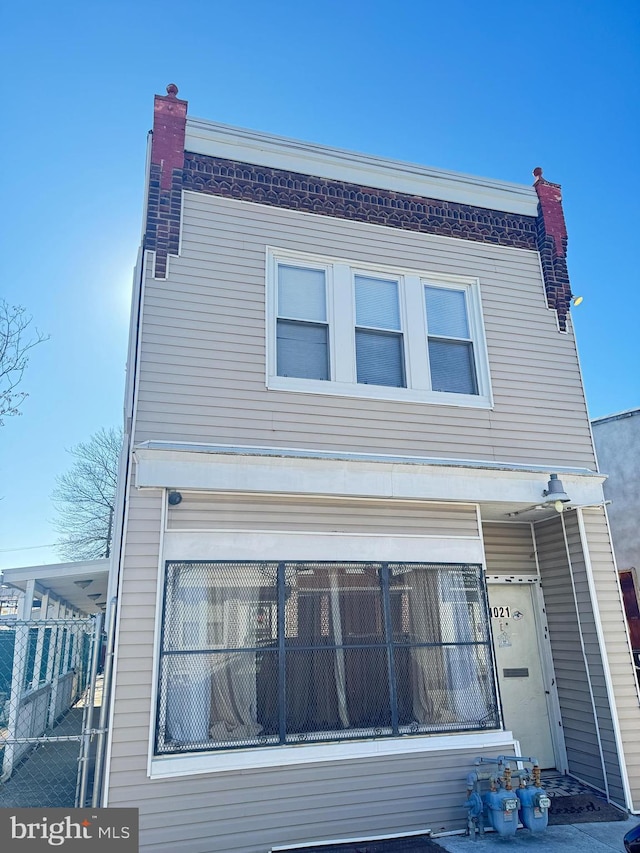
546	661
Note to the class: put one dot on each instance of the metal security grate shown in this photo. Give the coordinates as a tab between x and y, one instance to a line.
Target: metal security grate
265	653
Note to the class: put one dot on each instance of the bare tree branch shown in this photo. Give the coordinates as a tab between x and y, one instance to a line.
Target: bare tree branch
15	345
85	497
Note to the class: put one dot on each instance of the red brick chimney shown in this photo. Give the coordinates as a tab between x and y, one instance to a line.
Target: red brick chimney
552	245
164	194
169	123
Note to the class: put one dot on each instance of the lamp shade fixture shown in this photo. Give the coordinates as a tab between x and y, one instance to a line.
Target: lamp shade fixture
555	493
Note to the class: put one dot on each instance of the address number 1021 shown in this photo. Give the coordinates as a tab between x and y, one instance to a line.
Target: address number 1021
501	612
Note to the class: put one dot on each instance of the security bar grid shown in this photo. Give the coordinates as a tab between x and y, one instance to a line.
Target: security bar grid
260	654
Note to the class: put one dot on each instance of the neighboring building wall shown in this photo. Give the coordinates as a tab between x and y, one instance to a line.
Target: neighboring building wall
202	371
617	440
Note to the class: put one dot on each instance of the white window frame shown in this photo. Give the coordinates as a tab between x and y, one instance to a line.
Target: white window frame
328	288
341	319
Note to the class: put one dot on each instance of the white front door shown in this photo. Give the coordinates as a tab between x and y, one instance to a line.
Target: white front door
520	673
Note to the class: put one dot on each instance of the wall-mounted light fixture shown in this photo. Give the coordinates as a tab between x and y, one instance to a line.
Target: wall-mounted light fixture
174	498
555	493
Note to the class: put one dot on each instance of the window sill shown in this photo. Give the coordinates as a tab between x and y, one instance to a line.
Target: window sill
163	767
377	392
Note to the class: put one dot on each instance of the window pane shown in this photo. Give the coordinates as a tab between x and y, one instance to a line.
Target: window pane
211	700
303	350
452	367
336	605
377	303
217	605
220	622
380	359
336	664
446	312
301	293
313	691
443	626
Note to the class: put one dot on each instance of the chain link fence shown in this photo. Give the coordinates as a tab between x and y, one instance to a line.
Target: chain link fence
48	691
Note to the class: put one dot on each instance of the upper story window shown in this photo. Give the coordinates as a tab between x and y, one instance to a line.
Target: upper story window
302	335
451	358
336	327
378	334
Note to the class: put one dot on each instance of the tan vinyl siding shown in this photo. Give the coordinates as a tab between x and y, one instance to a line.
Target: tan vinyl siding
509	549
214	511
134	663
579	724
248	811
613	629
202	371
594	658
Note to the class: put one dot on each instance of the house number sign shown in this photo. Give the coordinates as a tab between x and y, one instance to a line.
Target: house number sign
501	612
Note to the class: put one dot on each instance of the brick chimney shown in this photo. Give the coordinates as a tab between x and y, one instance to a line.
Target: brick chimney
552	245
164	201
169	123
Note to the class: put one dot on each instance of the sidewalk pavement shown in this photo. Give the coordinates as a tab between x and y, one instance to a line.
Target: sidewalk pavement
584	837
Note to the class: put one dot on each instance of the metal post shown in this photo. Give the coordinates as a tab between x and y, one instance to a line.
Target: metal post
391	663
107	550
87	721
55	667
282	664
104	707
37	664
20	649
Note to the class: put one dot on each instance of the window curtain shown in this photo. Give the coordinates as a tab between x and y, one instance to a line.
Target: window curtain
315	670
466	684
234	713
212	696
188	680
428	668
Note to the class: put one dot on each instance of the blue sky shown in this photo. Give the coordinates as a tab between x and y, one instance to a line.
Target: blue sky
490	88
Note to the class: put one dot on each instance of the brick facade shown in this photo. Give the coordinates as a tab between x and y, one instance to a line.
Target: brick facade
173	170
311	194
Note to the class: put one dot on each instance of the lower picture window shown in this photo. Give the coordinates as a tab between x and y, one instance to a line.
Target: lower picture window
257	654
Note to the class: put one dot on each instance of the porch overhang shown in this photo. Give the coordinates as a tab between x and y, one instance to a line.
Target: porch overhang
504	490
80	586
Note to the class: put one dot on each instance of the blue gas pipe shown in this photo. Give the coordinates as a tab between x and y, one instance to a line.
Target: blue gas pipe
475	808
501	807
